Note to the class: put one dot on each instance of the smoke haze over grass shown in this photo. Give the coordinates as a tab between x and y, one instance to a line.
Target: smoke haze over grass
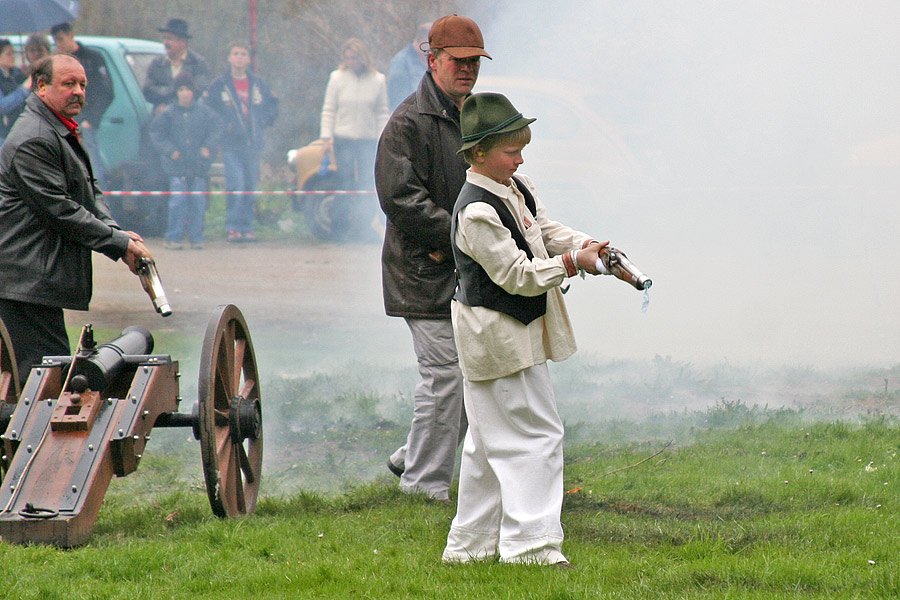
745	155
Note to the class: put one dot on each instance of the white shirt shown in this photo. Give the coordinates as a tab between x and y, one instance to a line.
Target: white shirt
492	344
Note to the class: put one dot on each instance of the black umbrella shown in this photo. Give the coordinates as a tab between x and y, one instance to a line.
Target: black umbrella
21	16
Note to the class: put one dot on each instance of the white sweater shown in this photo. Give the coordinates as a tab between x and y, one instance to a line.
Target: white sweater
355	107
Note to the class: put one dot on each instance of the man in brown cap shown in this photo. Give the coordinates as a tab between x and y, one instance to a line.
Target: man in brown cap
418	175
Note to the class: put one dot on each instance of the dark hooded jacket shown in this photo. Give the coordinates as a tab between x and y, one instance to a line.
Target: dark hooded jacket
52	214
101	90
418	175
186	129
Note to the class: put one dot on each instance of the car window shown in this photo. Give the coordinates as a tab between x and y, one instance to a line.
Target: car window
139	63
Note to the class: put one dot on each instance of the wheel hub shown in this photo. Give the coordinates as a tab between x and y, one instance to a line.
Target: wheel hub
245	419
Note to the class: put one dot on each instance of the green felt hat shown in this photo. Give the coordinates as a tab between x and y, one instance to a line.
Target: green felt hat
488	114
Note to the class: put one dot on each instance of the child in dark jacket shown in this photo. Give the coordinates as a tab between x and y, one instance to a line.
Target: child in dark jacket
186	134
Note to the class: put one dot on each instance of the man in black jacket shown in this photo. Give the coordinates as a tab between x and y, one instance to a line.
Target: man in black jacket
418	174
101	93
53	216
162	71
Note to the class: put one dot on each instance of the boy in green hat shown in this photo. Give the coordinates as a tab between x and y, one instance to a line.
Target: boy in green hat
509	318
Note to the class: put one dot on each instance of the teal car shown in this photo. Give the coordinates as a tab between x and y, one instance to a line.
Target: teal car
126	119
124	147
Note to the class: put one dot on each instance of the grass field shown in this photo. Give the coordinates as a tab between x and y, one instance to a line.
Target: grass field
748	500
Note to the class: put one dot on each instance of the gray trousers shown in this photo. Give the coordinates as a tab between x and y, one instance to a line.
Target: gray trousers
439	419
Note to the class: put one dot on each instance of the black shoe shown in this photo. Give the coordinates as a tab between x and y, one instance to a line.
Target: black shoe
398	471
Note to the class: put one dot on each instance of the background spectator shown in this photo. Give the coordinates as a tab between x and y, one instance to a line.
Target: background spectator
353	115
91	116
14	88
186	135
158	88
246	106
408	66
37	46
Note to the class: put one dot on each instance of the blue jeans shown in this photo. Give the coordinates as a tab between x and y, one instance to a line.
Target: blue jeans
241	174
356	163
187	211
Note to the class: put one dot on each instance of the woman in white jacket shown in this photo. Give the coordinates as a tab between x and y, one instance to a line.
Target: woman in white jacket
353	114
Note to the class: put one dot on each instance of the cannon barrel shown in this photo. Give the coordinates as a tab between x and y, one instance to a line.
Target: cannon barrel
99	366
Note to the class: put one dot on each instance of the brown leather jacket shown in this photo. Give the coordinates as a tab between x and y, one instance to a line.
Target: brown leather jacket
418	175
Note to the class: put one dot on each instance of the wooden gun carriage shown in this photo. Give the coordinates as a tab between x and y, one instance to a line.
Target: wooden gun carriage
82	419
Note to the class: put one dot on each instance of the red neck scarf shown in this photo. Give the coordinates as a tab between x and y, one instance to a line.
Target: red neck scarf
71	125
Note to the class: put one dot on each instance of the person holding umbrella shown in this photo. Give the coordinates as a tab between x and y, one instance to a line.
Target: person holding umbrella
36	47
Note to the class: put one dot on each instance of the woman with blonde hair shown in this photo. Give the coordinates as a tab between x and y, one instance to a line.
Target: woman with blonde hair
354	112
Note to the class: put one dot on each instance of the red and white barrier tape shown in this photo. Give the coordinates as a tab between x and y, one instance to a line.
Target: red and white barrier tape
255	193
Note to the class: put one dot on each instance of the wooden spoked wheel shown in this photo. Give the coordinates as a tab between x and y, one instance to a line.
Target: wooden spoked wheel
9	373
9	387
230	415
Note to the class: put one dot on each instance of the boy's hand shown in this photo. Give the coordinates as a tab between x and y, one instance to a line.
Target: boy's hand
587	257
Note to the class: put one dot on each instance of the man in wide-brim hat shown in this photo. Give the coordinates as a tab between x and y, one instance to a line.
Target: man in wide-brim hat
162	71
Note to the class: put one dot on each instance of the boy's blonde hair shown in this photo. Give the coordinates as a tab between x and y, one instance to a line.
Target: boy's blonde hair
514	138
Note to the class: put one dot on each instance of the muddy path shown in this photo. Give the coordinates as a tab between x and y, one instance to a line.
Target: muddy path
319	301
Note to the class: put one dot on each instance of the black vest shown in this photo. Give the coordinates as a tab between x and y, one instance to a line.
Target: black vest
475	287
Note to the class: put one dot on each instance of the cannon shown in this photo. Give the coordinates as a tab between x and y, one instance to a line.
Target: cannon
82	419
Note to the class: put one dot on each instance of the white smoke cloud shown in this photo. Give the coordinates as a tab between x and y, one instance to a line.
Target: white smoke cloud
745	155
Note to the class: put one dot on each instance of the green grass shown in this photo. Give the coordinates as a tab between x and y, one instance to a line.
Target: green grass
750	500
756	504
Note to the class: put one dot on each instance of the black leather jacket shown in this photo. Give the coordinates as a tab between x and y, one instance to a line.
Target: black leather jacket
52	214
418	175
158	86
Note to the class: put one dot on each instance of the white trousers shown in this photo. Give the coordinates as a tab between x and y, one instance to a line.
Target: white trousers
511	476
439	421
